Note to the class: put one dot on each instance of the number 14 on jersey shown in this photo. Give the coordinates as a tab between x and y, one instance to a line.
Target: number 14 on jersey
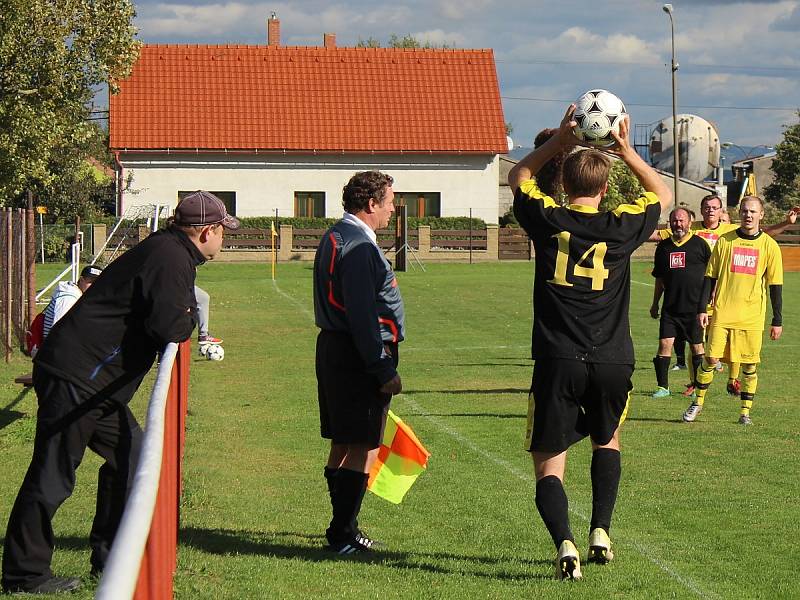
589	265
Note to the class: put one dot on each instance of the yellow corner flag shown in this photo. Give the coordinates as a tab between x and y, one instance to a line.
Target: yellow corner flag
273	236
401	459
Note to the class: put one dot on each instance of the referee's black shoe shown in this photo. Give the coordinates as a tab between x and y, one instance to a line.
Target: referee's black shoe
353	545
368	541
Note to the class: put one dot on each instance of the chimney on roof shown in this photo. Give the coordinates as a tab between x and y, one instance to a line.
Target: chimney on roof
273	30
329	40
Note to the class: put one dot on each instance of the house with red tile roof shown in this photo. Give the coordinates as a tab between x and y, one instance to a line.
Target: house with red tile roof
276	128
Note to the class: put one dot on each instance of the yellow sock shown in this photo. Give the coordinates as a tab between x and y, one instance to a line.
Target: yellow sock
705	375
733	373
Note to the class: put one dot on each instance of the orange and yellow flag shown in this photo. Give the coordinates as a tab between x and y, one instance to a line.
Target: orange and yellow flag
401	459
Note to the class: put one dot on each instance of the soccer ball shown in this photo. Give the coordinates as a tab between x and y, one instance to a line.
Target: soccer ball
215	352
598	113
202	349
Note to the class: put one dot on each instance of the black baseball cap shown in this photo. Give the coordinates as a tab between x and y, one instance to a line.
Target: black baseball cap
203	208
91	272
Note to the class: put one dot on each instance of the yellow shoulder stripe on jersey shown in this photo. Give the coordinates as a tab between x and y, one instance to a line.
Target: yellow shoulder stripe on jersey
531	189
638	207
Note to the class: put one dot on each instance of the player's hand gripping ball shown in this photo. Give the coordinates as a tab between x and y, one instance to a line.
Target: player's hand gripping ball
598	113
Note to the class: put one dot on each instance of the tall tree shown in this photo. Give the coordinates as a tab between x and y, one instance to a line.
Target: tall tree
396	41
784	191
54	55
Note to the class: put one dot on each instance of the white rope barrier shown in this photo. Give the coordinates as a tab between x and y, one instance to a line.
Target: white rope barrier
122	568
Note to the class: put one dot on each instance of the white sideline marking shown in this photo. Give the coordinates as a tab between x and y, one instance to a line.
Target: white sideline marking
303	308
465	441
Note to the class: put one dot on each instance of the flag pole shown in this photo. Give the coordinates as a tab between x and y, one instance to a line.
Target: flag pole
273	236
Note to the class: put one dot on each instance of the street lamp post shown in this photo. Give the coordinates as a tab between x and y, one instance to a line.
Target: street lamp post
667	8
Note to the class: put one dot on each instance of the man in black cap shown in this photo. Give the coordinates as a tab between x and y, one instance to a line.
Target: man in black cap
88	369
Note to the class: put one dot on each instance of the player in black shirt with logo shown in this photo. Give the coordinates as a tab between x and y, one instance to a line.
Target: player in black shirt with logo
679	267
581	334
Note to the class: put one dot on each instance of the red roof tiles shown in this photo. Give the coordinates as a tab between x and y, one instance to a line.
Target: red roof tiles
309	99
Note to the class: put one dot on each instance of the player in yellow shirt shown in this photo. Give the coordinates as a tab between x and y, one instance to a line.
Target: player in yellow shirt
710	228
744	269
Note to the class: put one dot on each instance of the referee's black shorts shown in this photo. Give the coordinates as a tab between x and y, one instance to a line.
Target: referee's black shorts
679	325
570	399
352	409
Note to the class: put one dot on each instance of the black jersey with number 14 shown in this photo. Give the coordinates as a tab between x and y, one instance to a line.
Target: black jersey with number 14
581	290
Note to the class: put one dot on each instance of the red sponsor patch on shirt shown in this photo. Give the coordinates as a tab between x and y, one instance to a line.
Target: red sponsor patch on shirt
744	260
677	260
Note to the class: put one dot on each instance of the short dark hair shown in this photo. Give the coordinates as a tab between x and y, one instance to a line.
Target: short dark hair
706	199
364	186
584	173
684	209
549	176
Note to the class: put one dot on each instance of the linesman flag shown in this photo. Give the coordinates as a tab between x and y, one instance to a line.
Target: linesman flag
401	458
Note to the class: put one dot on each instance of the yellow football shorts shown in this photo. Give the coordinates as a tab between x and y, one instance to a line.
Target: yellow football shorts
734	345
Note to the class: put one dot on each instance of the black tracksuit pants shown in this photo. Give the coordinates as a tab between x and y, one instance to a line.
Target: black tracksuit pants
69	420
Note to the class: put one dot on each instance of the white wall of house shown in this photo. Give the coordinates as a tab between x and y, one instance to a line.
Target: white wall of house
266	182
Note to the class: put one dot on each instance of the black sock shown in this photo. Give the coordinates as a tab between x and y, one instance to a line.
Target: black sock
606	471
349	492
697	360
680	351
661	363
553	506
330	479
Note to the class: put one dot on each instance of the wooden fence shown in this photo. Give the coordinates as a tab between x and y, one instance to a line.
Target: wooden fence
458	245
17	293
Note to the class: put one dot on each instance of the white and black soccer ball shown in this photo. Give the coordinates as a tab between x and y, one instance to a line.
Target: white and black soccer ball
202	349
598	113
215	352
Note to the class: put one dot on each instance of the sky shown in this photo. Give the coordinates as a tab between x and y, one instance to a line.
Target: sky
739	62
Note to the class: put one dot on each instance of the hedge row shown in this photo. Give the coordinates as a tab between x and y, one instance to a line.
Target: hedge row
324	223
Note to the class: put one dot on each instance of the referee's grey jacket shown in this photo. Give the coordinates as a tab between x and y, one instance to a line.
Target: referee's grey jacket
355	292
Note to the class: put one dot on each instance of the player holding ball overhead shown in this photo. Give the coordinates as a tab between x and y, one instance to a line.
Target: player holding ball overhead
581	346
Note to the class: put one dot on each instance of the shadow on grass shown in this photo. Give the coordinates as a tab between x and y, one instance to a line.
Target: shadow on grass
8	416
295	544
490	415
493	391
654	420
487	364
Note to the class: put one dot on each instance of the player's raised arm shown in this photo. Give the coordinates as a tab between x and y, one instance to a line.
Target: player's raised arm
651	181
779	228
529	166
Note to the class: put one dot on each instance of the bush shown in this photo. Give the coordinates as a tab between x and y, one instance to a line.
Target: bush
324	223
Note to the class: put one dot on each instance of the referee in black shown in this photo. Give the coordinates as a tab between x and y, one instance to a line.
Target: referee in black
581	332
679	267
358	308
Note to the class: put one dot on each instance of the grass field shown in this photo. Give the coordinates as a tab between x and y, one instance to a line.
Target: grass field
706	510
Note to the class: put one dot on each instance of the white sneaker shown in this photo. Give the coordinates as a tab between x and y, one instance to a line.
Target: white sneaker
690	414
600	551
568	562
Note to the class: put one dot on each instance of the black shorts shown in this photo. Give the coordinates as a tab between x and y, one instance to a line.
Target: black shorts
352	409
680	326
570	399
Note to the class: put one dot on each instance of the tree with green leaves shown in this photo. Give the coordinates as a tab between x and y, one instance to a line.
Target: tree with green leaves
623	187
54	55
397	41
784	191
